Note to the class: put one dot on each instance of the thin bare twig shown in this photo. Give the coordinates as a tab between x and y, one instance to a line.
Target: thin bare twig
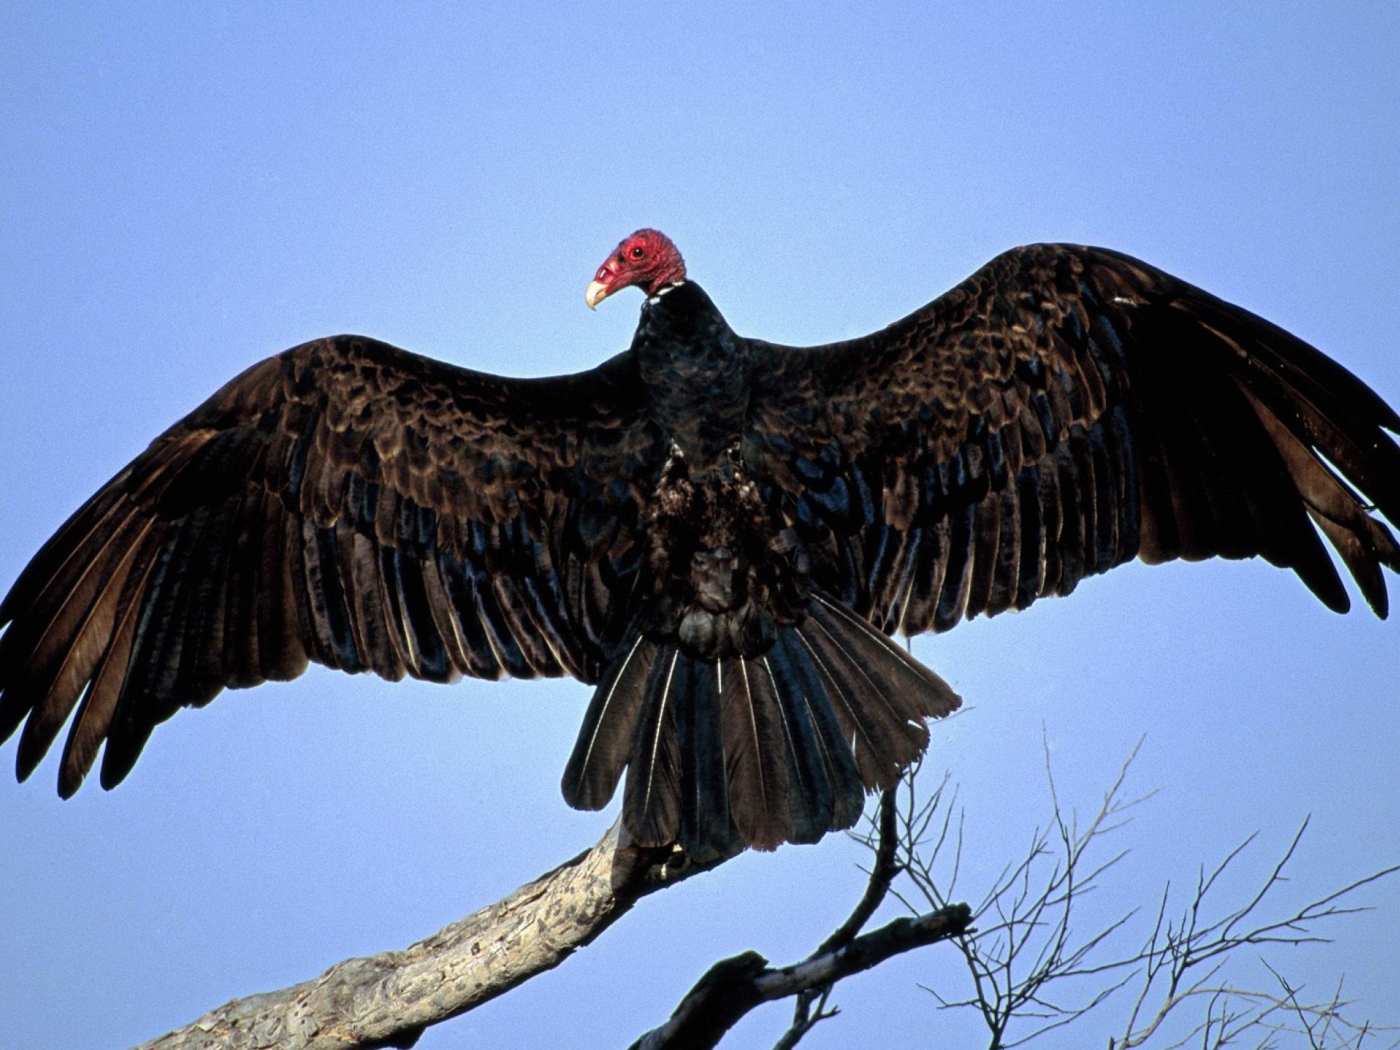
811	1006
1032	972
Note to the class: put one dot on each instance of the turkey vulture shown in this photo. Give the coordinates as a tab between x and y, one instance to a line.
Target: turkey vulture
717	532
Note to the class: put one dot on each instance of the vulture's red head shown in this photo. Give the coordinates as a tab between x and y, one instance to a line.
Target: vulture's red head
647	259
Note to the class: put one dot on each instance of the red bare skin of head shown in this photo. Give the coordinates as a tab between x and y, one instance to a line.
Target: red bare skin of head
647	259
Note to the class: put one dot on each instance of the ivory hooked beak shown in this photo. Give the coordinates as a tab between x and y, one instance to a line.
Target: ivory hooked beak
597	292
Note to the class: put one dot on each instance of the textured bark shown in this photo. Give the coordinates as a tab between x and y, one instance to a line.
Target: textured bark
387	1000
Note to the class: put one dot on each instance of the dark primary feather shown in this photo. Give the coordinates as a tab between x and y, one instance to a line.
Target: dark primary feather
719	532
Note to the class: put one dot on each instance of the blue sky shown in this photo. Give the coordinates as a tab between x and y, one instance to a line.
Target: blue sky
188	188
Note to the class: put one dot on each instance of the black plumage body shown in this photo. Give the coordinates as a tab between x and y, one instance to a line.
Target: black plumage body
717	532
725	603
696	373
719	571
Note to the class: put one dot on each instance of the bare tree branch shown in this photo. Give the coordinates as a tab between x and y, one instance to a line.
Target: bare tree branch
882	873
806	1017
1182	961
1024	959
1023	945
387	1000
883	842
734	986
1034	969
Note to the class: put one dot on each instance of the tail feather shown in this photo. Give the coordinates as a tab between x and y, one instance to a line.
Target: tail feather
756	751
810	798
705	826
651	803
822	750
883	737
605	738
882	695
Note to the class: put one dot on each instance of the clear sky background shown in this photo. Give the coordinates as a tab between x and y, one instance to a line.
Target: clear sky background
188	188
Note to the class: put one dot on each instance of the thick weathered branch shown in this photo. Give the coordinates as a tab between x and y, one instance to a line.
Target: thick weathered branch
387	1000
733	987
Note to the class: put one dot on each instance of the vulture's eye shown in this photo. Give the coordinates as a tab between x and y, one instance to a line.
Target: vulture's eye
637	252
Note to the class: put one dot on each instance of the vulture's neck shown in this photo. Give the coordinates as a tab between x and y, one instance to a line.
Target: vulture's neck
696	372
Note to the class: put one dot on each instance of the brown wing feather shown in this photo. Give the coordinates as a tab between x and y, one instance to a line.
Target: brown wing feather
344	502
1063	410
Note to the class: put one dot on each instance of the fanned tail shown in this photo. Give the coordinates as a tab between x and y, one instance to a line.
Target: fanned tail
757	751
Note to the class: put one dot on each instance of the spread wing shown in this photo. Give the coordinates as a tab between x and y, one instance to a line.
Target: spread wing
344	502
1060	412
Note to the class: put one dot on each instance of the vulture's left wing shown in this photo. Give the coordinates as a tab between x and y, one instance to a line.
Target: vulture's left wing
1061	411
344	502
